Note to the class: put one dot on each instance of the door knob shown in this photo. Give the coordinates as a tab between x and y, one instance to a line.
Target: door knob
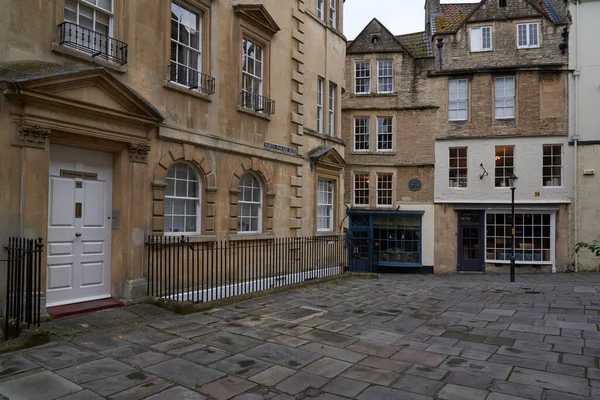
78	234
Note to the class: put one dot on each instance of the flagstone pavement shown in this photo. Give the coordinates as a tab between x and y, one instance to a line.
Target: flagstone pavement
457	337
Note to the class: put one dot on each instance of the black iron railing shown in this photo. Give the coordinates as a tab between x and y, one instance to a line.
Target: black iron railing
201	272
92	42
191	78
23	284
257	103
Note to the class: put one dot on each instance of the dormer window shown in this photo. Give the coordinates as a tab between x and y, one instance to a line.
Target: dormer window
481	38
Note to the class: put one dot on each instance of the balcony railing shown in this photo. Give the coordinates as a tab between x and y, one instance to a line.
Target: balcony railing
257	103
191	78
92	42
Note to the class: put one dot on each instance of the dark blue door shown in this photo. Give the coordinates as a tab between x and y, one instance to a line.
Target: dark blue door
470	249
360	252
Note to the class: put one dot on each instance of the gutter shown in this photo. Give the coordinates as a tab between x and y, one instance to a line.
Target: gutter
575	136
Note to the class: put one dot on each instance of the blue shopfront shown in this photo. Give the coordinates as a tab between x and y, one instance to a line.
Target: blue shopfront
380	240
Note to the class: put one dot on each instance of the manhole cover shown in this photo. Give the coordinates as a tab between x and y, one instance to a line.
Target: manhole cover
297	314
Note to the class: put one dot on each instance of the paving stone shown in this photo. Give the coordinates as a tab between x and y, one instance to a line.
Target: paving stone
226	388
329	338
185	372
411	344
448	350
484	348
475	355
40	386
286	356
83	395
101	342
476	381
257	393
241	365
562	348
502	396
534	337
456	392
260	334
554	395
93	370
345	387
385	363
593	373
373	349
146	336
386	393
500	313
125	351
517	389
13	363
333	352
565	369
118	383
294	314
583	361
419	357
207	355
203	330
334	326
493	370
443	341
573	333
371	375
327	367
290	341
273	375
519	362
53	358
499	341
179	393
427	372
146	359
418	385
228	341
143	390
301	381
286	328
464	336
569	341
550	380
547	356
527	345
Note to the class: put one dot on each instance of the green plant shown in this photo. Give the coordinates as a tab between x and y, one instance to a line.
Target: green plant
594	247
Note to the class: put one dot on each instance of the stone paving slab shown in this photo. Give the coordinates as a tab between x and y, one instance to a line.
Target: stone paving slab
400	337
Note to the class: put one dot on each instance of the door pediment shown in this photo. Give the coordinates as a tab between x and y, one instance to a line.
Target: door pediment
328	158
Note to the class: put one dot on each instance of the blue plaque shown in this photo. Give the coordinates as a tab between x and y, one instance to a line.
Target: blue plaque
414	184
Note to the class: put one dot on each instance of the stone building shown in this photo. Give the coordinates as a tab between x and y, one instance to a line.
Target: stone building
486	96
584	118
125	118
388	123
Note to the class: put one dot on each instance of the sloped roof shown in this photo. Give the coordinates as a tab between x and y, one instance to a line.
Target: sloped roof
451	16
552	9
418	44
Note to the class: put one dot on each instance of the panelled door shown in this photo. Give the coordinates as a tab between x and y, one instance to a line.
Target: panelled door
470	251
79	225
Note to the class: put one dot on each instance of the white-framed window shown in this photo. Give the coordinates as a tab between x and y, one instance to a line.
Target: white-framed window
481	38
385	189
182	201
332	88
385	76
362	77
250	204
552	165
321	10
505	97
186	45
385	134
320	84
95	15
528	35
333	13
505	165
458	100
325	205
361	133
534	239
458	167
252	74
361	189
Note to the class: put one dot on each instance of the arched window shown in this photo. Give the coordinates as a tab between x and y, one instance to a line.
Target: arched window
182	201
250	204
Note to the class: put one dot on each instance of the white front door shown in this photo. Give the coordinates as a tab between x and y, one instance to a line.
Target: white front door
79	225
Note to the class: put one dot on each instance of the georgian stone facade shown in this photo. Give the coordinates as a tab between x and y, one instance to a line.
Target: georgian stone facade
127	102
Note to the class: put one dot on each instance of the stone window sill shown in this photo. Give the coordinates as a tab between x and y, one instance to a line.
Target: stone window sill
57	48
250	236
192	92
323	136
393	94
372	153
253	113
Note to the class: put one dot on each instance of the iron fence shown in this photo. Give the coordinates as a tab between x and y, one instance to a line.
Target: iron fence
191	78
92	42
199	272
23	284
256	102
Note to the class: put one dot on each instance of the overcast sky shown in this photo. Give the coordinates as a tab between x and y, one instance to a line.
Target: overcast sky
399	16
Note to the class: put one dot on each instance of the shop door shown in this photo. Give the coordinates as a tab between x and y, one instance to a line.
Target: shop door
470	242
360	256
79	230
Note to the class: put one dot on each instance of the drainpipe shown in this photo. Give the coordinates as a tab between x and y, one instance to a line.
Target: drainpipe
440	44
576	134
